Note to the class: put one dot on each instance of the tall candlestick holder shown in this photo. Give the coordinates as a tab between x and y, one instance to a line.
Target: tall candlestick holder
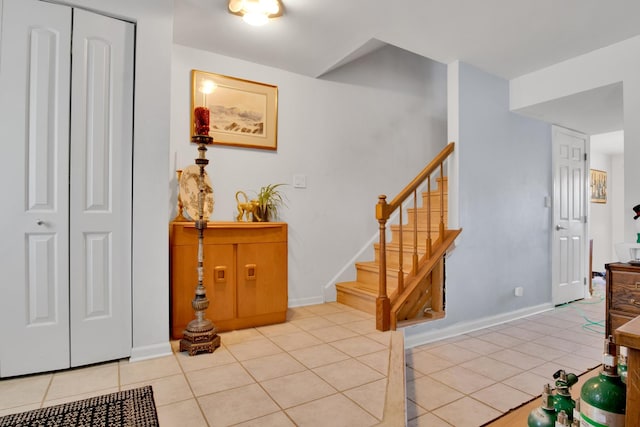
201	334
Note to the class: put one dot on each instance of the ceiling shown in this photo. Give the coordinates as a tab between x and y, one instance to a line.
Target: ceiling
503	37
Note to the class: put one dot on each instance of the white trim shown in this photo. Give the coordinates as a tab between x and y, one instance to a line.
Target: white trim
150	352
422	337
299	302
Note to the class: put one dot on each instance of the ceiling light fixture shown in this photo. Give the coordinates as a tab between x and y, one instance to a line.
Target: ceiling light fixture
256	12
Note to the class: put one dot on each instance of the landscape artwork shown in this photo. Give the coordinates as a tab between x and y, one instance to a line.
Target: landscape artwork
241	113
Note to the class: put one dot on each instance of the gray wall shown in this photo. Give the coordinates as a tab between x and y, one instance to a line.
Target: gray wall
504	164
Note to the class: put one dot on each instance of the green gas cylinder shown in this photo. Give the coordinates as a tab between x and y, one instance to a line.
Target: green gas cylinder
544	415
563	400
603	398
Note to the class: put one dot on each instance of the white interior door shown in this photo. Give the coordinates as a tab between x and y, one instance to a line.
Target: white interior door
65	294
100	199
569	250
34	116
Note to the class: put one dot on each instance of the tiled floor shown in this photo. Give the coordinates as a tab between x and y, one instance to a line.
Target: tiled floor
471	379
327	366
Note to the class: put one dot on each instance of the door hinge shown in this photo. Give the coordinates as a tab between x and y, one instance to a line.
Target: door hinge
585	157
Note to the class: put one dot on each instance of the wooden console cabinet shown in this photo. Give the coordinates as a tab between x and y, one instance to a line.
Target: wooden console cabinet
623	295
245	273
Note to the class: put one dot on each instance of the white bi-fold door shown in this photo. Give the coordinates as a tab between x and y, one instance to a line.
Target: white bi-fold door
66	79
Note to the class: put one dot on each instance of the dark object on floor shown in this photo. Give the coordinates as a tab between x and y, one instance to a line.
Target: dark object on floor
129	408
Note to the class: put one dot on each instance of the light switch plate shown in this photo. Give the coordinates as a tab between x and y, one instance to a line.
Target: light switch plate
299	181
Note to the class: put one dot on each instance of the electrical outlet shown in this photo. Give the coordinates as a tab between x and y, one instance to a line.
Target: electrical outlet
519	291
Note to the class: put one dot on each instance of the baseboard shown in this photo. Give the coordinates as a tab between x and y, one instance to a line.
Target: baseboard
150	352
416	335
300	302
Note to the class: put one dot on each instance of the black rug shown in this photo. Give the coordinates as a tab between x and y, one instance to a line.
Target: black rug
130	408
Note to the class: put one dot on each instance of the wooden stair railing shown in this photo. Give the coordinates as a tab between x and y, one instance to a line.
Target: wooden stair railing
427	271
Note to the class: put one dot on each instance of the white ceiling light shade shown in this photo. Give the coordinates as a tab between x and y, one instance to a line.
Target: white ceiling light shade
256	12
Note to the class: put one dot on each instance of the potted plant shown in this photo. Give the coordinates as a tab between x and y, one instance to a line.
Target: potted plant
269	199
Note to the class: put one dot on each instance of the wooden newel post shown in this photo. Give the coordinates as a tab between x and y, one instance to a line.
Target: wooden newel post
383	305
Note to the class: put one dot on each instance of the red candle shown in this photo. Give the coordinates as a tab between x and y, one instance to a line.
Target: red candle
201	118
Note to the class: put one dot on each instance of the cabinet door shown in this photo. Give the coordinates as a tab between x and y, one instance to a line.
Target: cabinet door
218	261
262	278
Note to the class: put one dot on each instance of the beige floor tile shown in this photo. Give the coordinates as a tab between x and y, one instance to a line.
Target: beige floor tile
212	380
343	318
323	309
277	419
18	409
318	355
333	333
478	346
528	382
462	379
383	338
454	353
370	396
521	333
363	327
76	397
277	365
557	343
278	329
311	323
167	390
501	397
295	340
500	339
491	368
467	412
83	380
411	374
428	420
296	389
378	361
347	374
541	351
220	356
294	313
541	328
253	348
184	413
577	363
517	359
238	336
336	409
23	391
358	346
431	394
136	372
236	405
426	362
549	368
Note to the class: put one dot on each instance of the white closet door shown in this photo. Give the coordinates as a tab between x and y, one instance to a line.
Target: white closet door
34	118
101	188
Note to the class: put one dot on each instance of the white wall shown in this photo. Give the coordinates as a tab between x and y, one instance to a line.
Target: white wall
504	175
362	130
619	62
606	219
154	33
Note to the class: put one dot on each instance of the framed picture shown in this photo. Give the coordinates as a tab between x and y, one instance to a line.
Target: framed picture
598	186
242	113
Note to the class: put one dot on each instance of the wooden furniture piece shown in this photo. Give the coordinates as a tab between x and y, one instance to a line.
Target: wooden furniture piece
628	335
245	273
623	294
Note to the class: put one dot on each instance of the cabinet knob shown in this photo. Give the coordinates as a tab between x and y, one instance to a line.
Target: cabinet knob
220	273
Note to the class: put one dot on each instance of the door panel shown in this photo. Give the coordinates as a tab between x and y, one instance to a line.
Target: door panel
569	233
101	182
34	110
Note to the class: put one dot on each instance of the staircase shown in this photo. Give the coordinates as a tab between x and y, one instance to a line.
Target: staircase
404	284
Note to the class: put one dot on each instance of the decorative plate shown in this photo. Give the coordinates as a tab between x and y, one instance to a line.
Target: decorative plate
189	193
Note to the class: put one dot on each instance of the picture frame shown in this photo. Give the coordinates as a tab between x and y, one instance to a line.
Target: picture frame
598	186
242	113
